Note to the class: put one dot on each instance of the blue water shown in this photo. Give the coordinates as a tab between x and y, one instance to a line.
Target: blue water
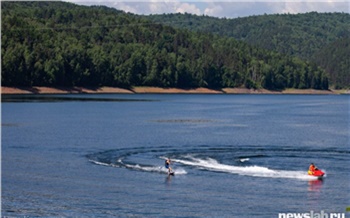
233	155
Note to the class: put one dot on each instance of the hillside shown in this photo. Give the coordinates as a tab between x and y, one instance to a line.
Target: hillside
335	58
301	35
63	44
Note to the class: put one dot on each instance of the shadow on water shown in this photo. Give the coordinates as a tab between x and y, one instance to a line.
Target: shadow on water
52	98
168	180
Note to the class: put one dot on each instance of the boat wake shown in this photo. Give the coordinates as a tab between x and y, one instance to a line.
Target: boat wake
238	160
242	160
145	168
256	171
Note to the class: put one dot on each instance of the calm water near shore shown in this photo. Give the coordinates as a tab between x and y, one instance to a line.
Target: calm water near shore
233	155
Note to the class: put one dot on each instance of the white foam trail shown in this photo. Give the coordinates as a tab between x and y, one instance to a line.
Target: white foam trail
257	171
158	169
144	168
242	160
102	164
178	171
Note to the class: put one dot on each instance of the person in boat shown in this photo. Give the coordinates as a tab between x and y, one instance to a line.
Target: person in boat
167	165
312	168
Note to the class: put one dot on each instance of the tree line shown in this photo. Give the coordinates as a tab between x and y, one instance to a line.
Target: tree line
63	44
311	36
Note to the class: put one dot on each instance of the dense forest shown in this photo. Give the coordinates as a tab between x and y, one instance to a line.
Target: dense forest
335	59
63	44
309	36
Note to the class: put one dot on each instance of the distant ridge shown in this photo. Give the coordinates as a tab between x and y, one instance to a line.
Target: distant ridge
309	36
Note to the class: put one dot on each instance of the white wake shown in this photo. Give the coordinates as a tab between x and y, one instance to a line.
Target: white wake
257	171
158	169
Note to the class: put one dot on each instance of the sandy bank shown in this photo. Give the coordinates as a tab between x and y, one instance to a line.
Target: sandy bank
100	90
175	90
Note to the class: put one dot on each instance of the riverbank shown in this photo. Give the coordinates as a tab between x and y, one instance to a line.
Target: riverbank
158	90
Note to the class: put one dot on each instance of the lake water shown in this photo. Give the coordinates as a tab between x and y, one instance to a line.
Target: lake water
233	155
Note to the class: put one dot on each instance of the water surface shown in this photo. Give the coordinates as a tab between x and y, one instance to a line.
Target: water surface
233	155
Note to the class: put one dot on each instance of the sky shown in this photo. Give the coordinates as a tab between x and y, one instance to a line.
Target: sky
222	8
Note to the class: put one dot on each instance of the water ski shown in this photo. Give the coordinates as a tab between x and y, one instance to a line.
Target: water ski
171	174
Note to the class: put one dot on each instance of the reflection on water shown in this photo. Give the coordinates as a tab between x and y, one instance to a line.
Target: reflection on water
315	185
314	195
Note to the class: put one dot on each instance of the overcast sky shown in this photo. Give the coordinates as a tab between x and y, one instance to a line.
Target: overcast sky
222	8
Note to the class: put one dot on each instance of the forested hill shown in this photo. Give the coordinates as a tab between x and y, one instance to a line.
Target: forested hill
335	58
301	35
293	34
63	44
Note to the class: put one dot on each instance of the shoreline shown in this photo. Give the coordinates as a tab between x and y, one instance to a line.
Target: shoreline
157	90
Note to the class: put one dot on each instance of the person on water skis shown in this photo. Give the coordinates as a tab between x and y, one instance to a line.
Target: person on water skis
167	165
